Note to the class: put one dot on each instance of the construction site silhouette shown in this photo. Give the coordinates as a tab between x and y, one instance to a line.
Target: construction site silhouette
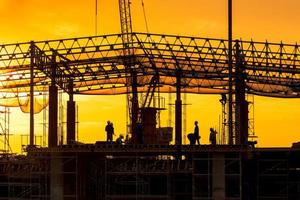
149	162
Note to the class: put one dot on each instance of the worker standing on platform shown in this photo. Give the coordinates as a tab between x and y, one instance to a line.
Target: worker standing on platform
213	136
197	133
109	132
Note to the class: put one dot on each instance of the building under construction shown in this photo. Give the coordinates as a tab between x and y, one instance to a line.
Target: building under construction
132	64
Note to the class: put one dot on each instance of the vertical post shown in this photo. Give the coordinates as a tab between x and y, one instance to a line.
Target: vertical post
71	113
135	106
56	177
178	110
241	108
184	117
31	126
7	131
230	71
53	107
218	176
6	136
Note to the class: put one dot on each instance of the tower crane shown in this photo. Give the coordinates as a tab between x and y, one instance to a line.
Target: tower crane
127	39
126	24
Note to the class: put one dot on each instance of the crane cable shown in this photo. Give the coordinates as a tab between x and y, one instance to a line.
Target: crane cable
96	17
145	17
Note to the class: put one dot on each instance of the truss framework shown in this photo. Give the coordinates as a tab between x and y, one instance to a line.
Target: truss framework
96	65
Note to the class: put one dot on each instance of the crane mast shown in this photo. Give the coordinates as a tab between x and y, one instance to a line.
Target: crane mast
132	92
126	23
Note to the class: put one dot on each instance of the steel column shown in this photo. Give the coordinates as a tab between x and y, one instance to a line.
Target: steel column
31	132
241	107
230	92
135	106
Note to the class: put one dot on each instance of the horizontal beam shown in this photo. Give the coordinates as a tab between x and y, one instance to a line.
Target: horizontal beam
97	63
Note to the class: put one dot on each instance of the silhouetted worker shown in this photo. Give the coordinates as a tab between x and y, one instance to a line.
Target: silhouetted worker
119	140
139	133
112	128
213	136
109	132
196	133
191	138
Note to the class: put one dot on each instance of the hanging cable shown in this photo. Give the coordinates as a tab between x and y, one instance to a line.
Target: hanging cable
96	17
145	17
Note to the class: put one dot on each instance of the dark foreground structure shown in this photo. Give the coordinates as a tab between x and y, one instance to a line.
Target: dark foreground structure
149	172
142	66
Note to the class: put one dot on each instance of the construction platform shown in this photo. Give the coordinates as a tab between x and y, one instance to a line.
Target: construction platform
156	172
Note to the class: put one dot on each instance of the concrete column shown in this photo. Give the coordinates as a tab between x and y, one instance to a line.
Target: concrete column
71	112
56	178
52	127
178	110
71	121
53	105
218	176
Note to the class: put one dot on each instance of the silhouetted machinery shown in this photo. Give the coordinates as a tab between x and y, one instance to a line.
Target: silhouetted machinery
146	128
151	134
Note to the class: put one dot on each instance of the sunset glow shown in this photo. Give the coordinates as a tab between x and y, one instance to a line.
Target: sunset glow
276	120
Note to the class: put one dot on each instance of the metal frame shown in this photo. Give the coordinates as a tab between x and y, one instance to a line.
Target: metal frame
97	64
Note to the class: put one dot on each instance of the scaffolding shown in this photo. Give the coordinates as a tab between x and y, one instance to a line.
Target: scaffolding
223	120
39	177
5	130
251	124
117	172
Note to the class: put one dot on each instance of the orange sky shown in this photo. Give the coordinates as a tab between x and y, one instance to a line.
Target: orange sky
276	120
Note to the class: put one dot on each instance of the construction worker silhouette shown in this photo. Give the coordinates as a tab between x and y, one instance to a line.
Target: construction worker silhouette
109	132
197	133
213	136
